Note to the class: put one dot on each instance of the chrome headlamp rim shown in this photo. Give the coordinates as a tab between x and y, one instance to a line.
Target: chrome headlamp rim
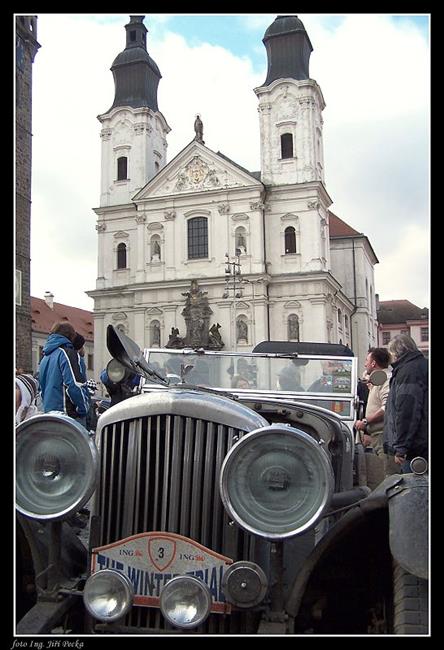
29	428
324	465
171	585
112	575
116	369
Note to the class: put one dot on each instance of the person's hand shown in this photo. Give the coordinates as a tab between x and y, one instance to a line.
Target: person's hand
360	425
400	460
366	440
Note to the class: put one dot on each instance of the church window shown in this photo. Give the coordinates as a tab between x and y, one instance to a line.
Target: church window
197	238
156	166
132	36
340	317
121	256
290	240
122	168
286	145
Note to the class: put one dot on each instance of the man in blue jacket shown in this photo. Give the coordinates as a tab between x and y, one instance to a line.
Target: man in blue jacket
60	376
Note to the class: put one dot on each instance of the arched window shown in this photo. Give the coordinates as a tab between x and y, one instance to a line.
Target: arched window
122	168
240	241
290	240
346	321
339	317
156	166
286	145
293	327
197	238
155	334
155	249
241	330
121	256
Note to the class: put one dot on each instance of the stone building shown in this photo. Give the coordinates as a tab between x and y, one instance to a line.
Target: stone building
45	312
403	317
26	49
162	224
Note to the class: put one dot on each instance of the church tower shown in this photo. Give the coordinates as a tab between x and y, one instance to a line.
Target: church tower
290	108
133	130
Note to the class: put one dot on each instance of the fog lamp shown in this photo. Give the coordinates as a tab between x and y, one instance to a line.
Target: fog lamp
276	481
244	584
185	601
116	371
108	595
56	463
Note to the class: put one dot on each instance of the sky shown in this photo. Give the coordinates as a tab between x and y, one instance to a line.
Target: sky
374	73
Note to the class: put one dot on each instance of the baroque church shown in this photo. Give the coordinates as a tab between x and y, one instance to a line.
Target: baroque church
271	259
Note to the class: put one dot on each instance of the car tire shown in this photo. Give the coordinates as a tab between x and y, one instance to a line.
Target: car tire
410	601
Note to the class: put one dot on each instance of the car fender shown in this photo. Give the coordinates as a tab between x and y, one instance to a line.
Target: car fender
408	503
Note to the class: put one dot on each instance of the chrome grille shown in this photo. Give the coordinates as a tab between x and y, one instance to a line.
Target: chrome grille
162	473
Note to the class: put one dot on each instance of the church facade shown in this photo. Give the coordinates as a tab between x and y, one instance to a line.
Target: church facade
259	244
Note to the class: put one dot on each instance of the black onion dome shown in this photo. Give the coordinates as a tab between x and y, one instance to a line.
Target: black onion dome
288	49
136	75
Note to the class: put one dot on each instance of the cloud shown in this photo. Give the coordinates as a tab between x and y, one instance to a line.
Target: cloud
406	266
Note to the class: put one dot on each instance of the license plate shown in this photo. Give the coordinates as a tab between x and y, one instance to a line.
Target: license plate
151	559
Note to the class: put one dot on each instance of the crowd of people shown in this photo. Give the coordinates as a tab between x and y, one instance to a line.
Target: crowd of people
395	426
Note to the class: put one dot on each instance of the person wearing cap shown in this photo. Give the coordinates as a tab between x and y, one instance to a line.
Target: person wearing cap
61	379
26	391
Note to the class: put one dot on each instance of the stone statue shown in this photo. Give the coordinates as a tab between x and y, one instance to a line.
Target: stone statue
197	314
293	328
174	340
156	334
155	257
214	338
242	330
198	128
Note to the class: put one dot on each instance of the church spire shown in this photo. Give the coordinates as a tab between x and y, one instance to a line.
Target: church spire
288	49
136	75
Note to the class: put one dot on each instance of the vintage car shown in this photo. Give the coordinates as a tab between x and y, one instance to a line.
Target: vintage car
219	506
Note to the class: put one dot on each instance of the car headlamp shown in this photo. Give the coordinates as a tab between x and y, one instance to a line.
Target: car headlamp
244	584
116	371
56	466
108	595
185	601
276	481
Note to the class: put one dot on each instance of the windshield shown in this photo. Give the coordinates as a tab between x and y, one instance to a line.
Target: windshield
257	372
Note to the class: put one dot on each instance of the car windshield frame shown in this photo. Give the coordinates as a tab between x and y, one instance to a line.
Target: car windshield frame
327	381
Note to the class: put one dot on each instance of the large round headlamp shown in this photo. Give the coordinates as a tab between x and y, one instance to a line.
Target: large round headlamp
108	595
116	371
56	466
185	601
276	481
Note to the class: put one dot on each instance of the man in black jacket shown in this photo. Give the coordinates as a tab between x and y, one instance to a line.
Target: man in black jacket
406	413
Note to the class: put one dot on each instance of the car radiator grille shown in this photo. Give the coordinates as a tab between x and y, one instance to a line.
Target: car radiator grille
161	473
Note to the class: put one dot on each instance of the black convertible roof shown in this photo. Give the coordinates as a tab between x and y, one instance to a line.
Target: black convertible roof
304	347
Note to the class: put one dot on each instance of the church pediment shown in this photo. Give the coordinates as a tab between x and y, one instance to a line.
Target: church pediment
196	169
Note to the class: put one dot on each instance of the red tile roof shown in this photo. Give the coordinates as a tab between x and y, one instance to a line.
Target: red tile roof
339	228
400	311
43	318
